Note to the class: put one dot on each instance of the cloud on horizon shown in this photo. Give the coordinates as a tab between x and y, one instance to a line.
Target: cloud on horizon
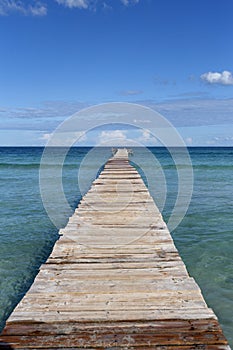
224	78
194	111
45	118
200	121
107	137
180	112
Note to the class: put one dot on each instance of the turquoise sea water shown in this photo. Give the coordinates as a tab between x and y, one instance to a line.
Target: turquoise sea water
204	238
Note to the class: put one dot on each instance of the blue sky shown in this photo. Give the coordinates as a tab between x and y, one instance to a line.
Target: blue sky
58	56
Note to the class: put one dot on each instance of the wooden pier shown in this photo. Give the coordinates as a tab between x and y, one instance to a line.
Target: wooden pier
114	279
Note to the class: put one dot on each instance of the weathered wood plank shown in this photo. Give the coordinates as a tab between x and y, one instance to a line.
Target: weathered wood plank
104	257
112	265
38	328
112	315
165	285
77	334
113	339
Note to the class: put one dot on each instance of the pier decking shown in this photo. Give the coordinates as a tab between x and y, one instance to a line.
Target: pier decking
114	279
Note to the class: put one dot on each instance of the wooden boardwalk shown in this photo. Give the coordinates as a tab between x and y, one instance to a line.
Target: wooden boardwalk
114	279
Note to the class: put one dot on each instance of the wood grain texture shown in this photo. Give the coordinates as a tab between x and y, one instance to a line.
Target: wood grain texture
114	279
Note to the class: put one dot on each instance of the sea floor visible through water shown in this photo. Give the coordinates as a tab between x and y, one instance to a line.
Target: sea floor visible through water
204	237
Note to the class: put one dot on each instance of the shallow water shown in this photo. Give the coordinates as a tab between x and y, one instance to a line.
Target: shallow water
204	238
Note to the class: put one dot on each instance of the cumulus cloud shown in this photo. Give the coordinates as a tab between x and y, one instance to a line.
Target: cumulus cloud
146	137
36	8
224	78
113	137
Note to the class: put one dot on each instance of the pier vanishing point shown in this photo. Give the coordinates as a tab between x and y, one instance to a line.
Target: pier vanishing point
114	279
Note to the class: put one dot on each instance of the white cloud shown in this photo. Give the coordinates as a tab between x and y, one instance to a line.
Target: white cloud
63	138
147	137
128	2
45	137
113	137
91	4
224	78
36	8
189	140
81	4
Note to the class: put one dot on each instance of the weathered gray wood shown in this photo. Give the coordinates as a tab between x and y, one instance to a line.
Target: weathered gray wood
114	279
112	315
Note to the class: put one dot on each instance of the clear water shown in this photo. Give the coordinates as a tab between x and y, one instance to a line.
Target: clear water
204	238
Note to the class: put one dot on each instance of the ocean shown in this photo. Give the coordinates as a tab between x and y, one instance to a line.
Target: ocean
204	237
